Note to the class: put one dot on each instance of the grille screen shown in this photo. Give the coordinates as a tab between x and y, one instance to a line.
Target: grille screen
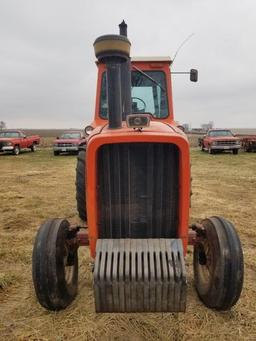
138	190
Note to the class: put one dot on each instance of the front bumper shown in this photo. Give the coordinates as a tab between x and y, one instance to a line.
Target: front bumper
225	147
6	148
66	149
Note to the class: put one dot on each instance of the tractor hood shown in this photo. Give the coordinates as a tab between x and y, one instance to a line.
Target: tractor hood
154	129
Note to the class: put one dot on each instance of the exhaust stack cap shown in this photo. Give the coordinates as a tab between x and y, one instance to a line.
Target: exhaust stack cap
112	46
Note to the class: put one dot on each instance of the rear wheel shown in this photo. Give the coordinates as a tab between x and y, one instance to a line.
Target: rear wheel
55	265
235	151
16	150
218	264
80	185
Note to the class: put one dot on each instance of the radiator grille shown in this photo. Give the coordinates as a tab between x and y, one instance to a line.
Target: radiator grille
226	143
138	190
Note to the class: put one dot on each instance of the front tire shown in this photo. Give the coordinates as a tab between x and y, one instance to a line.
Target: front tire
235	151
54	265
218	264
80	185
210	151
16	150
56	153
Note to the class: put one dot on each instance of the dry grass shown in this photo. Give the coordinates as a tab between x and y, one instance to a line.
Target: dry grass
35	186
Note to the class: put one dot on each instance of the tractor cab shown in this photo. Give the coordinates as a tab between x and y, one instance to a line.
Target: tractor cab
151	91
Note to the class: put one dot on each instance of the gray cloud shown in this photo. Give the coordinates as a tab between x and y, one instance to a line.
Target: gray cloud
48	75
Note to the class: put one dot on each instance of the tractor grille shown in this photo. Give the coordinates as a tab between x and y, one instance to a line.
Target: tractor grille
226	143
138	190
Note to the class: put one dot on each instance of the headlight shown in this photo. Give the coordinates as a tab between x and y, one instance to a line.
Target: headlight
8	144
88	130
214	143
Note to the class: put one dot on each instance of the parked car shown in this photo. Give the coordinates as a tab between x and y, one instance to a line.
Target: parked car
16	140
219	140
68	142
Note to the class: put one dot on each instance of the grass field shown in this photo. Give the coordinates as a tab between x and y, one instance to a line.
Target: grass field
35	186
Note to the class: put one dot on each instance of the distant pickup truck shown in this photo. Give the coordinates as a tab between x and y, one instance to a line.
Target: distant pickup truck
16	140
219	140
68	142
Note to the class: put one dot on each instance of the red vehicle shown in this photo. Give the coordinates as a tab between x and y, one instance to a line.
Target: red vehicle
68	142
219	140
15	141
248	142
133	189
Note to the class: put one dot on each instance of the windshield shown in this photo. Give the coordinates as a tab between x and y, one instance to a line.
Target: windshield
147	95
70	136
9	134
220	133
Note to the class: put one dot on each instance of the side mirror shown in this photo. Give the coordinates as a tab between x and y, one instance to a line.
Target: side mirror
83	137
193	75
24	136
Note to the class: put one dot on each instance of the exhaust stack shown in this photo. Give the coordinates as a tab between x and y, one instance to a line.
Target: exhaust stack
125	78
113	50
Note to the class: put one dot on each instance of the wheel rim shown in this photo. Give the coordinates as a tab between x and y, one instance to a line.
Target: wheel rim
68	266
16	150
205	266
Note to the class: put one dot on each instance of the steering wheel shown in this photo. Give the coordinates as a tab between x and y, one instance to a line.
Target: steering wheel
141	100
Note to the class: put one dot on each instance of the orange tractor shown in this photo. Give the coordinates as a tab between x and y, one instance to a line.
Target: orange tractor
133	189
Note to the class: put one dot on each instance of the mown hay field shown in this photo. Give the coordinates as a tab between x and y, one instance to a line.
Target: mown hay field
35	186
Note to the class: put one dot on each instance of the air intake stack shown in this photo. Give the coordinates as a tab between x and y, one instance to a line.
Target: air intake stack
113	50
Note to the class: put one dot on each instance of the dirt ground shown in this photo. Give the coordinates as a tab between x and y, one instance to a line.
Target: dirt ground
35	186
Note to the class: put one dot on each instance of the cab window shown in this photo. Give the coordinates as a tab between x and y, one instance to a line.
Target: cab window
148	94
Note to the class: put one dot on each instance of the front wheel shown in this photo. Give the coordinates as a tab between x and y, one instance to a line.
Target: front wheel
55	265
235	151
210	151
16	150
218	264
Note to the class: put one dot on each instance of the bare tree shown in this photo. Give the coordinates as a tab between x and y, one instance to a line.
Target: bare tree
2	125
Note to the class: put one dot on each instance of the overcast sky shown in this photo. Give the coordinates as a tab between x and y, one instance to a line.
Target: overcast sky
48	75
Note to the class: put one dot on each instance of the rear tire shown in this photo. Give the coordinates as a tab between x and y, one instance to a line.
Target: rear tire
218	264
54	265
80	185
33	147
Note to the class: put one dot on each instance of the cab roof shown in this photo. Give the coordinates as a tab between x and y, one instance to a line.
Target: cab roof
152	59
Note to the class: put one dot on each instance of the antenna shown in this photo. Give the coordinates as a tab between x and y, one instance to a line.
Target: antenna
181	45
